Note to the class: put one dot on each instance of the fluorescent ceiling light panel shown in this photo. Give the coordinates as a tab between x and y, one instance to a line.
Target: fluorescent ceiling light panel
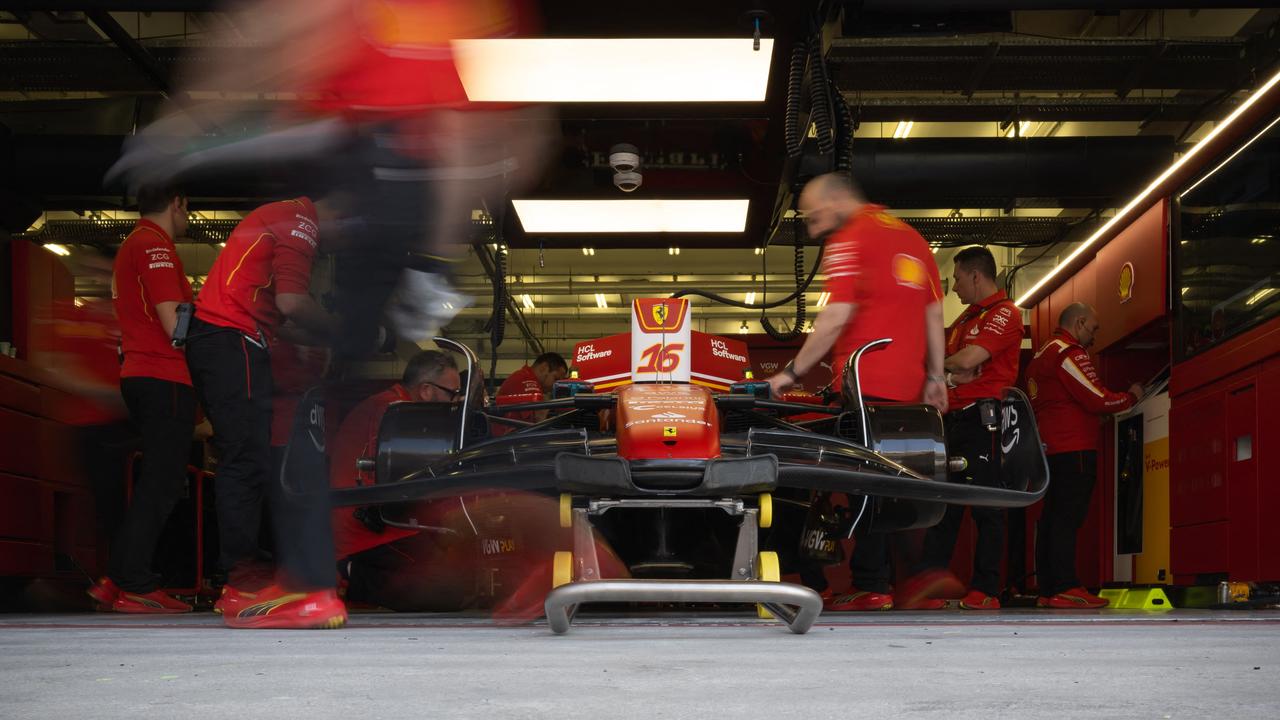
57	249
564	70
1128	209
632	216
903	130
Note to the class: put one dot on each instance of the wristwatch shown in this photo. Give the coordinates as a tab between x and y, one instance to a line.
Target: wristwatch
790	371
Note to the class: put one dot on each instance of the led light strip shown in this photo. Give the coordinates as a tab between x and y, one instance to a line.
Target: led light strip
1146	193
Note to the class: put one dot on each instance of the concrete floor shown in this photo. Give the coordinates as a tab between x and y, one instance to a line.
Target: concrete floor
1026	663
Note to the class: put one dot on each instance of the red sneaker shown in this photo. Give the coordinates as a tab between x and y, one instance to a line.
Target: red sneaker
927	604
978	600
154	602
858	601
231	600
277	608
1076	598
104	593
927	590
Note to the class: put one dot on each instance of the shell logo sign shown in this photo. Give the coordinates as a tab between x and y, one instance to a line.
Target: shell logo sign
1125	286
909	271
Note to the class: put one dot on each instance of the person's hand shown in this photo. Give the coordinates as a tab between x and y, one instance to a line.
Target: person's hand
935	394
423	304
203	431
1136	390
960	377
778	384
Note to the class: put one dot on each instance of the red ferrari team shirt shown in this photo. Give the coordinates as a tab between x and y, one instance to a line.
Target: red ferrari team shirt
395	56
270	251
883	266
1067	396
995	325
358	437
520	382
147	271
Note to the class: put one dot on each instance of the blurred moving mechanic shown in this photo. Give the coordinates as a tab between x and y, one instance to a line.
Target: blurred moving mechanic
538	378
147	284
380	107
259	281
392	567
883	283
983	345
1068	398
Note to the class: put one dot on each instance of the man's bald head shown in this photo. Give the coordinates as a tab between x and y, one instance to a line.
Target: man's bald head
1081	321
827	201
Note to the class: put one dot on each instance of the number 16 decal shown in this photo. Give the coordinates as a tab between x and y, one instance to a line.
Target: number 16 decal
660	358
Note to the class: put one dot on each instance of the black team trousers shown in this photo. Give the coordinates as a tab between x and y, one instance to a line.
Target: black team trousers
163	412
232	375
1072	476
968	437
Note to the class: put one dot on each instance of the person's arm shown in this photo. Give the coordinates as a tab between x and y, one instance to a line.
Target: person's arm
167	312
935	390
311	325
1077	374
967	360
826	329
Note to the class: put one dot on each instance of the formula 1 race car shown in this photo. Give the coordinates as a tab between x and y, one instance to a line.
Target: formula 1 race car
674	454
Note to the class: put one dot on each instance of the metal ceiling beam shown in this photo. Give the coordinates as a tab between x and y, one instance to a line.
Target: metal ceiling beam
1108	108
131	48
1037	64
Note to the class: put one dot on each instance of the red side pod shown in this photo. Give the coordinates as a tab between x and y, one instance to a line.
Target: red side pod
657	422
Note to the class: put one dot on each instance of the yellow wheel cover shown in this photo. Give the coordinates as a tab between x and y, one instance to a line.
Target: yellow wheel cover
562	570
766	510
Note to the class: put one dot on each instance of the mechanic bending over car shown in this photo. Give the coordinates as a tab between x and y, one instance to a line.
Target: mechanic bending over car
539	377
147	285
260	280
1067	398
883	283
392	567
982	359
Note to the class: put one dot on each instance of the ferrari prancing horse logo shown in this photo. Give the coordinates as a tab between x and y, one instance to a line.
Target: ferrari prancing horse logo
660	315
668	431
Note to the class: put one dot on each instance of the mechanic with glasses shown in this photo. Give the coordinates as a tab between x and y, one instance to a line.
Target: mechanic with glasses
883	283
386	566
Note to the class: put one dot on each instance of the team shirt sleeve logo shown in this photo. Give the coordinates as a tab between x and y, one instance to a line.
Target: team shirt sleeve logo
909	271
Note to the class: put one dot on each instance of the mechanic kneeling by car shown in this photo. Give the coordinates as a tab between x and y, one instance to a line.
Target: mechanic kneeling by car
395	568
883	283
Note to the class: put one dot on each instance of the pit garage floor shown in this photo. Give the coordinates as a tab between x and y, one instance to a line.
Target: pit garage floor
1035	664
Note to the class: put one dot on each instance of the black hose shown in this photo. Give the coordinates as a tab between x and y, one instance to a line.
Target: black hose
763	306
792	135
799	296
498	321
820	110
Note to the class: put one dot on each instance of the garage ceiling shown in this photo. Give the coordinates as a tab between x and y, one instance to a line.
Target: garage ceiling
1024	123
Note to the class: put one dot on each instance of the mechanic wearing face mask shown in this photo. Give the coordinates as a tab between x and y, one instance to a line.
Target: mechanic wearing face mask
883	282
1068	398
982	360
